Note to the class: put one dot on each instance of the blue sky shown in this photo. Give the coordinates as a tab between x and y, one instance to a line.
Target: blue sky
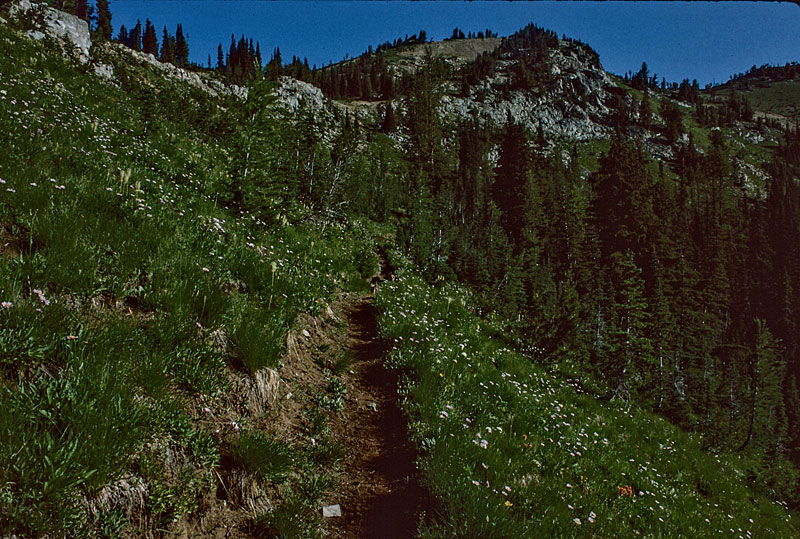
708	41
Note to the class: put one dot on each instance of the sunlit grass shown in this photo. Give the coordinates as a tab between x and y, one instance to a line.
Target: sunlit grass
510	449
130	289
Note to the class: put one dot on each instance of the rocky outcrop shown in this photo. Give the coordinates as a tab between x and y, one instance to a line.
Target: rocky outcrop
572	105
70	32
115	52
294	94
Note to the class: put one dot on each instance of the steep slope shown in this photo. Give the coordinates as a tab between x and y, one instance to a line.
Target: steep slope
187	339
512	449
146	313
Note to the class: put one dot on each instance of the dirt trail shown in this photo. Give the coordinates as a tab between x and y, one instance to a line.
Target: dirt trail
380	495
379	488
376	483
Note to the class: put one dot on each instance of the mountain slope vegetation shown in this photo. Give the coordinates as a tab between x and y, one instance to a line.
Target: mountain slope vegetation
593	313
141	311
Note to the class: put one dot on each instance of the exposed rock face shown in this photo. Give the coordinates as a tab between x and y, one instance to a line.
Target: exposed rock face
68	30
573	105
104	71
293	94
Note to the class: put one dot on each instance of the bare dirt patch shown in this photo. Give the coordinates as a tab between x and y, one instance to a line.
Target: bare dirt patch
456	52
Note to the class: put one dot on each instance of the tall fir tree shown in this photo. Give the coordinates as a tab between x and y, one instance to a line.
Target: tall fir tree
628	362
167	48
622	198
150	39
181	48
220	59
103	20
510	187
135	37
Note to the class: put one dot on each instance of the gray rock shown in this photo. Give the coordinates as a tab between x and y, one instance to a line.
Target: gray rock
372	406
35	34
19	7
70	31
569	107
294	94
104	71
331	511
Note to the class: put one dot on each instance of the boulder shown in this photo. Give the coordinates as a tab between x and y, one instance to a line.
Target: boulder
104	71
294	94
68	30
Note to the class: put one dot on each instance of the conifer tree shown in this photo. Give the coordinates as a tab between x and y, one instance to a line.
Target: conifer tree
628	363
423	121
220	59
261	171
81	9
122	36
673	124
768	425
135	37
275	65
103	24
641	79
389	122
167	48
622	204
150	40
510	188
181	48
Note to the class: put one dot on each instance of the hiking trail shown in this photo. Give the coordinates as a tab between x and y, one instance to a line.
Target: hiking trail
379	492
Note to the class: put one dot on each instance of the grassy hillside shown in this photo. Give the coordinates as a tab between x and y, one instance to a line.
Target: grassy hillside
156	372
514	450
773	91
137	310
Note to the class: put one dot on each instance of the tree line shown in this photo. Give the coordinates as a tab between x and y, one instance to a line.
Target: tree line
174	49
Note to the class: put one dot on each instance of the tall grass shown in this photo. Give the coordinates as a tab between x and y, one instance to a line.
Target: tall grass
130	288
270	460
